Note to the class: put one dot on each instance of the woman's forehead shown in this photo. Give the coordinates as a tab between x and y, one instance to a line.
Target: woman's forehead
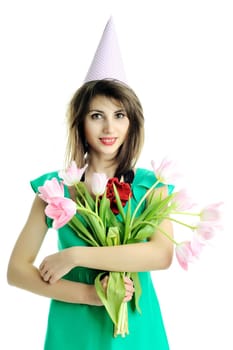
102	101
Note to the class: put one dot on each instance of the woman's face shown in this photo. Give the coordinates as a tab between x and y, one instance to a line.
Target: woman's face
105	126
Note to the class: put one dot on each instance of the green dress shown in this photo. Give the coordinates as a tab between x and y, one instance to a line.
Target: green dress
84	327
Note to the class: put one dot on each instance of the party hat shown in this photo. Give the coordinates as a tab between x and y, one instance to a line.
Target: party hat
107	62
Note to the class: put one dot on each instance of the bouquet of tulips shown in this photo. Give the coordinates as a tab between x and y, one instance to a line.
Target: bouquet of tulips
106	219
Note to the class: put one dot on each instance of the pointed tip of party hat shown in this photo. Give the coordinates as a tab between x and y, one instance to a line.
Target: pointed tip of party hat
107	62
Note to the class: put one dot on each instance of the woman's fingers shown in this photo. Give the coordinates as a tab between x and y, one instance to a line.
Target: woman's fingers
129	289
45	276
104	283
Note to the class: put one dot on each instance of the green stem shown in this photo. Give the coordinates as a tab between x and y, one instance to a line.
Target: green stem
180	222
185	213
81	209
121	328
82	196
142	200
96	204
163	232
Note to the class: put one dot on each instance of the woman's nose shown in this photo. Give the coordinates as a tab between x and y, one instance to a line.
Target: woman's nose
108	125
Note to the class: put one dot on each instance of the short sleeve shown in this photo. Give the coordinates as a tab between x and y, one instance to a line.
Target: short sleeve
39	181
144	179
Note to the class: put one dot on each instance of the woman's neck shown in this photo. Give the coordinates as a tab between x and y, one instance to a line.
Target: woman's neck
101	166
109	171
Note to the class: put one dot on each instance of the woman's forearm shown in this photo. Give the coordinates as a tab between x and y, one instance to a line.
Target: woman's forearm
155	254
131	257
27	277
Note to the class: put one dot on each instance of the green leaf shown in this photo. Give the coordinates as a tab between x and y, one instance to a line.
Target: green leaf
114	295
113	222
78	227
113	237
95	225
84	196
145	230
155	211
107	216
127	222
138	290
119	204
104	207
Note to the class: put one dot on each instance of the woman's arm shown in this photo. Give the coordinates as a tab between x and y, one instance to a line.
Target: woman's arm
23	274
155	254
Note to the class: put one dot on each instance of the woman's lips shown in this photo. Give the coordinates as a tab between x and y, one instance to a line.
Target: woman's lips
108	141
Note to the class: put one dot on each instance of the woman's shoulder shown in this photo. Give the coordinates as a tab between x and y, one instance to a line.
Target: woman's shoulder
40	180
145	178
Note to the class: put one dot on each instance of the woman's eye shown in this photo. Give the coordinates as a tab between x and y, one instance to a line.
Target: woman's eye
120	115
96	116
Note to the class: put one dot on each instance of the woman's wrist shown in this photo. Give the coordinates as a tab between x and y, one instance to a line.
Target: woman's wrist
86	294
74	256
90	295
94	299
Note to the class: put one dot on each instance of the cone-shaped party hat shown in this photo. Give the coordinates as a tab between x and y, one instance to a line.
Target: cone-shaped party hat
107	62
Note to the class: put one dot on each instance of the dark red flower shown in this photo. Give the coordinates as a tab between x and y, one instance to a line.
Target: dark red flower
124	191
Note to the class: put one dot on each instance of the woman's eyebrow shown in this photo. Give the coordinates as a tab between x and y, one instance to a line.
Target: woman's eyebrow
120	110
100	111
95	110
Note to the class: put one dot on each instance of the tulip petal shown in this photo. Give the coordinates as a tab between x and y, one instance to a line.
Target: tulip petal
61	210
51	188
72	175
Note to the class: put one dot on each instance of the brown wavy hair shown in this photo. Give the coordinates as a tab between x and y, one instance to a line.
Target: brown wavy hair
78	107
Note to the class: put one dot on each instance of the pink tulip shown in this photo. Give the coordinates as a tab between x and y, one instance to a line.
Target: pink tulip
61	210
184	254
51	188
182	200
98	183
206	230
211	212
72	175
165	173
196	246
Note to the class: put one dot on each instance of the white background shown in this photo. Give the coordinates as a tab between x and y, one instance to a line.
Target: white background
178	58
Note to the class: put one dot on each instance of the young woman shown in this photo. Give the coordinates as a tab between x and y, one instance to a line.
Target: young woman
105	130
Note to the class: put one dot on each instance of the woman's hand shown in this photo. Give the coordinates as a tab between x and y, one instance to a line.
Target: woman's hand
96	301
55	266
129	287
